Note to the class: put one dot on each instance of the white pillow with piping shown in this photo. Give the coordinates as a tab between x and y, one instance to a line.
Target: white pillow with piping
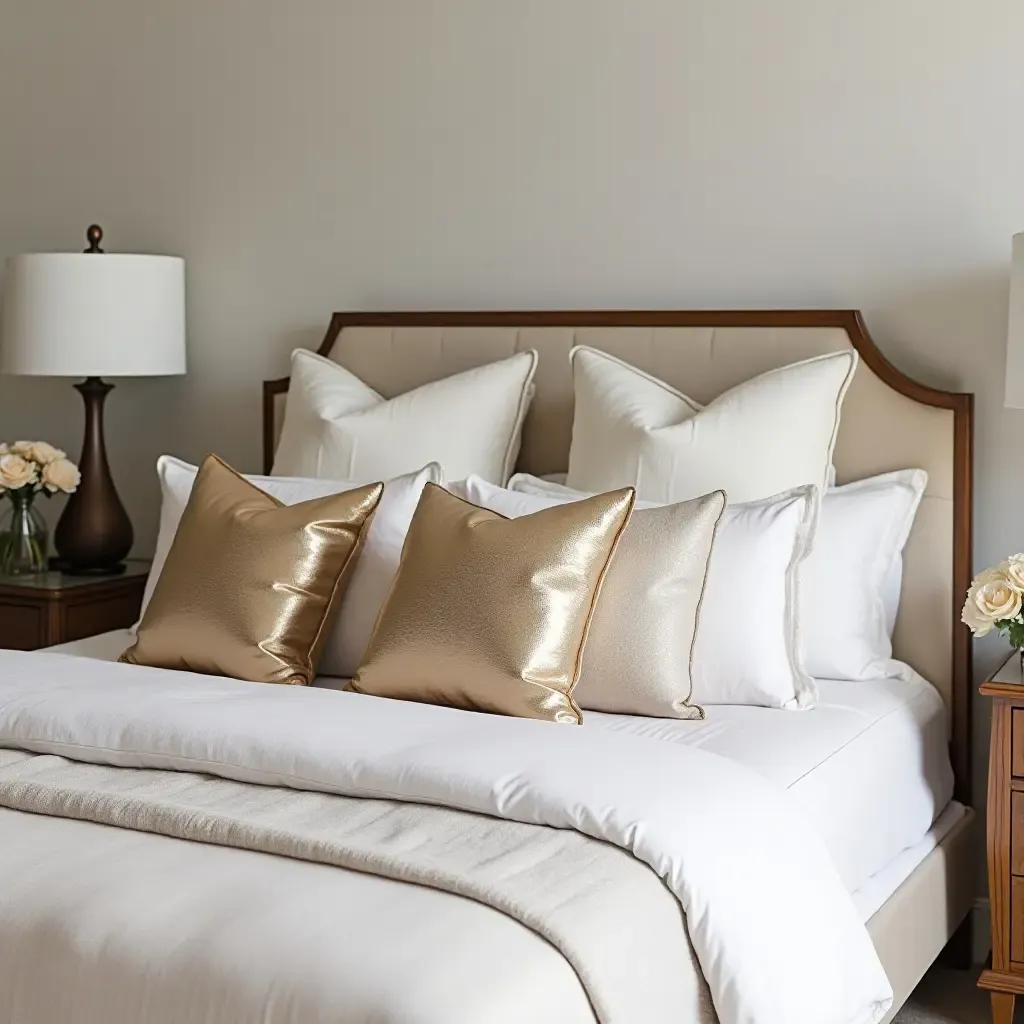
338	428
764	436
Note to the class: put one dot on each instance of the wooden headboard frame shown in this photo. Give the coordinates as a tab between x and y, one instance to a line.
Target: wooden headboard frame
962	406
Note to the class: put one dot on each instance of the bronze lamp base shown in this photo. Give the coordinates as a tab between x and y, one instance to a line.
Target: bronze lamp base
94	534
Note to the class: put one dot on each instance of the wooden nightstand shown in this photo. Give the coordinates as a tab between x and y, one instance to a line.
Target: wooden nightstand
1005	979
51	608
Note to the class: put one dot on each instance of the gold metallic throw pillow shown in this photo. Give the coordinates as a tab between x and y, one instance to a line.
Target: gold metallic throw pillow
492	614
250	584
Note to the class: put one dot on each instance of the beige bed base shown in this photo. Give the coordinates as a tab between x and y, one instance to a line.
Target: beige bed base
889	422
916	922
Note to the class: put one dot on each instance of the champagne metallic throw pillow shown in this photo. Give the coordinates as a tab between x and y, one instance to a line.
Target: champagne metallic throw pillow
639	656
250	584
492	614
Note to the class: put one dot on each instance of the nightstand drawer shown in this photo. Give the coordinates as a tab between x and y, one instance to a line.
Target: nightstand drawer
88	619
22	626
51	608
1017	921
1017	834
1017	755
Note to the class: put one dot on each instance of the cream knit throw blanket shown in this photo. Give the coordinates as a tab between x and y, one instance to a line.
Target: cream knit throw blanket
608	914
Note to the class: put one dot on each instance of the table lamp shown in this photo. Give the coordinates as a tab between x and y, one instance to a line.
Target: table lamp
1015	337
93	315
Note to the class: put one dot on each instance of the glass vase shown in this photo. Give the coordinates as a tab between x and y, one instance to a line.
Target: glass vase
23	536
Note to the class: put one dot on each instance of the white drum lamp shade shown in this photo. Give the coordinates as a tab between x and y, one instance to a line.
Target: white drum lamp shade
93	315
1015	336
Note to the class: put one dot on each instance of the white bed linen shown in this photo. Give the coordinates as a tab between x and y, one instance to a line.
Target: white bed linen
608	914
102	925
321	944
870	897
869	767
749	919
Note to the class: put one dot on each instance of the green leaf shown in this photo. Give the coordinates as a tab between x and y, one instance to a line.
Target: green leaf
1014	631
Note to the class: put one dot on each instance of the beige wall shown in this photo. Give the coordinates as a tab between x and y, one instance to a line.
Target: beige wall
308	155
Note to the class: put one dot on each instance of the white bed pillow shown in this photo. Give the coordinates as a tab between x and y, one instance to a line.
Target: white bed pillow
372	574
850	585
639	649
762	437
336	427
747	649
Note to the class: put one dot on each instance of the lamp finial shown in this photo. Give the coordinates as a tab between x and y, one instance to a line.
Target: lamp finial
95	236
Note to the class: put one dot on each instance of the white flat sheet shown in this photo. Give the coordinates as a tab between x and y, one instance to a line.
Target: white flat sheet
869	766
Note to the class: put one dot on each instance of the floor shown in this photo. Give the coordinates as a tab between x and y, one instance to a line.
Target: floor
948	997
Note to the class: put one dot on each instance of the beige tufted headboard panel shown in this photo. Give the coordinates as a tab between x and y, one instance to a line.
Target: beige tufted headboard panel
888	422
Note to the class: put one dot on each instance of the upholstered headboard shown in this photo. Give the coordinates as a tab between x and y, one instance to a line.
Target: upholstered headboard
889	422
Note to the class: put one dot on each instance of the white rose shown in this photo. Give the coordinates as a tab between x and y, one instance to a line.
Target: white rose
998	600
1013	570
16	472
998	573
61	475
23	448
5	448
44	453
971	617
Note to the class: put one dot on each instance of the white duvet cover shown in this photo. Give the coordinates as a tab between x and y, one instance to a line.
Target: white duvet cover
869	768
776	935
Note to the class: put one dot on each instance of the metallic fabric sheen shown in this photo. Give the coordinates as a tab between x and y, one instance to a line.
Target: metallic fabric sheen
250	585
640	651
492	614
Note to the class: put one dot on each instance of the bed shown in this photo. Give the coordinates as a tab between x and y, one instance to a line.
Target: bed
880	769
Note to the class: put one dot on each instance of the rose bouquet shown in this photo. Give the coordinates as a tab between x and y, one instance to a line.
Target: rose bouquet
995	601
37	466
28	468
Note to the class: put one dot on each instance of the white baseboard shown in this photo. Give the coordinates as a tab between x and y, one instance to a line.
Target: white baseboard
981	935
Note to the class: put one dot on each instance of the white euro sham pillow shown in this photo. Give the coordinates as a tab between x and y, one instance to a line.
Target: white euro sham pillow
850	584
764	436
373	571
747	648
336	427
639	650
